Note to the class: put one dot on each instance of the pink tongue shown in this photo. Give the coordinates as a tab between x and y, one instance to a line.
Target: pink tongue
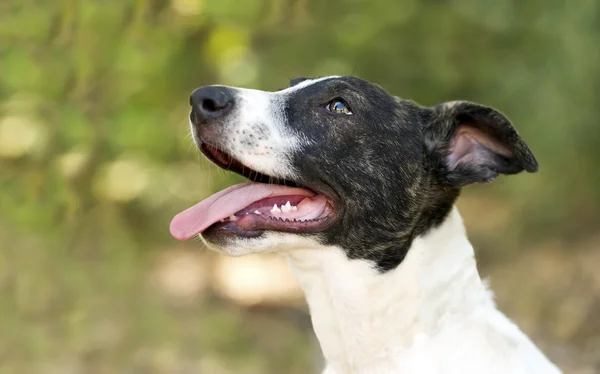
198	218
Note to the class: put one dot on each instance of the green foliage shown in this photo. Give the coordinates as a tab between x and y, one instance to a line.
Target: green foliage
95	155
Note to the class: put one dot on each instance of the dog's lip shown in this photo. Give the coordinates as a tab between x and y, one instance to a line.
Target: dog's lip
239	228
215	154
224	161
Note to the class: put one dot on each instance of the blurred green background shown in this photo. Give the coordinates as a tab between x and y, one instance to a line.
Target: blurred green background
95	159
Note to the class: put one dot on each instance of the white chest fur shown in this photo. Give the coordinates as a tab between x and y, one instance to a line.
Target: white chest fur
432	314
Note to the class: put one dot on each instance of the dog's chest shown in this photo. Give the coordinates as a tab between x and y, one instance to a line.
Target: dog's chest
493	347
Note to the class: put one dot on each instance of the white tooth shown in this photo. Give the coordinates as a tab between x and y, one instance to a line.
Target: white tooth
256	212
222	220
286	208
275	209
294	208
232	218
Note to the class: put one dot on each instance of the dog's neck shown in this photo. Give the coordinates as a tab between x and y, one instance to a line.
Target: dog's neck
363	318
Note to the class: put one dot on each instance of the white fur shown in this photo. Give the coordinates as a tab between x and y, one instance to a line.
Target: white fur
432	314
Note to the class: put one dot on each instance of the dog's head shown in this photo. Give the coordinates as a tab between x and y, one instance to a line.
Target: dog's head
339	161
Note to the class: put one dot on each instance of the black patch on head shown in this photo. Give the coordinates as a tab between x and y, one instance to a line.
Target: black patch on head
393	167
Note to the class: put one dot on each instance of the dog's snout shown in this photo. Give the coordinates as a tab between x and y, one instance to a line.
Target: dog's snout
212	101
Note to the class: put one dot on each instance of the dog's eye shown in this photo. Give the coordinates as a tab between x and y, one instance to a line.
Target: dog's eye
340	107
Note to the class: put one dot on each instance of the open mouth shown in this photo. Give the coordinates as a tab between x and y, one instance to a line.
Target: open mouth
248	209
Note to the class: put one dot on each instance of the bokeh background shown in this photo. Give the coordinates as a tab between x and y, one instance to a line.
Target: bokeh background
95	159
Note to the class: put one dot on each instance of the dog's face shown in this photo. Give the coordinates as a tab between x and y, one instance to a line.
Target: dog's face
339	161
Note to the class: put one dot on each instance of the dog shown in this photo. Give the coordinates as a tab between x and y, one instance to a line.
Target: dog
357	188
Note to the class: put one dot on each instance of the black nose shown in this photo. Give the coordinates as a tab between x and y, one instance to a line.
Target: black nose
211	101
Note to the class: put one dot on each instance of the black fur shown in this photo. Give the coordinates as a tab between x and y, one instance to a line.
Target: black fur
385	164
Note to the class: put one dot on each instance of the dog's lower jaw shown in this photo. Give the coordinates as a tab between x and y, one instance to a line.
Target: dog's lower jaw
432	314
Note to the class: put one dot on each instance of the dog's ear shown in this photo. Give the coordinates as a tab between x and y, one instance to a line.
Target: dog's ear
295	81
472	143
